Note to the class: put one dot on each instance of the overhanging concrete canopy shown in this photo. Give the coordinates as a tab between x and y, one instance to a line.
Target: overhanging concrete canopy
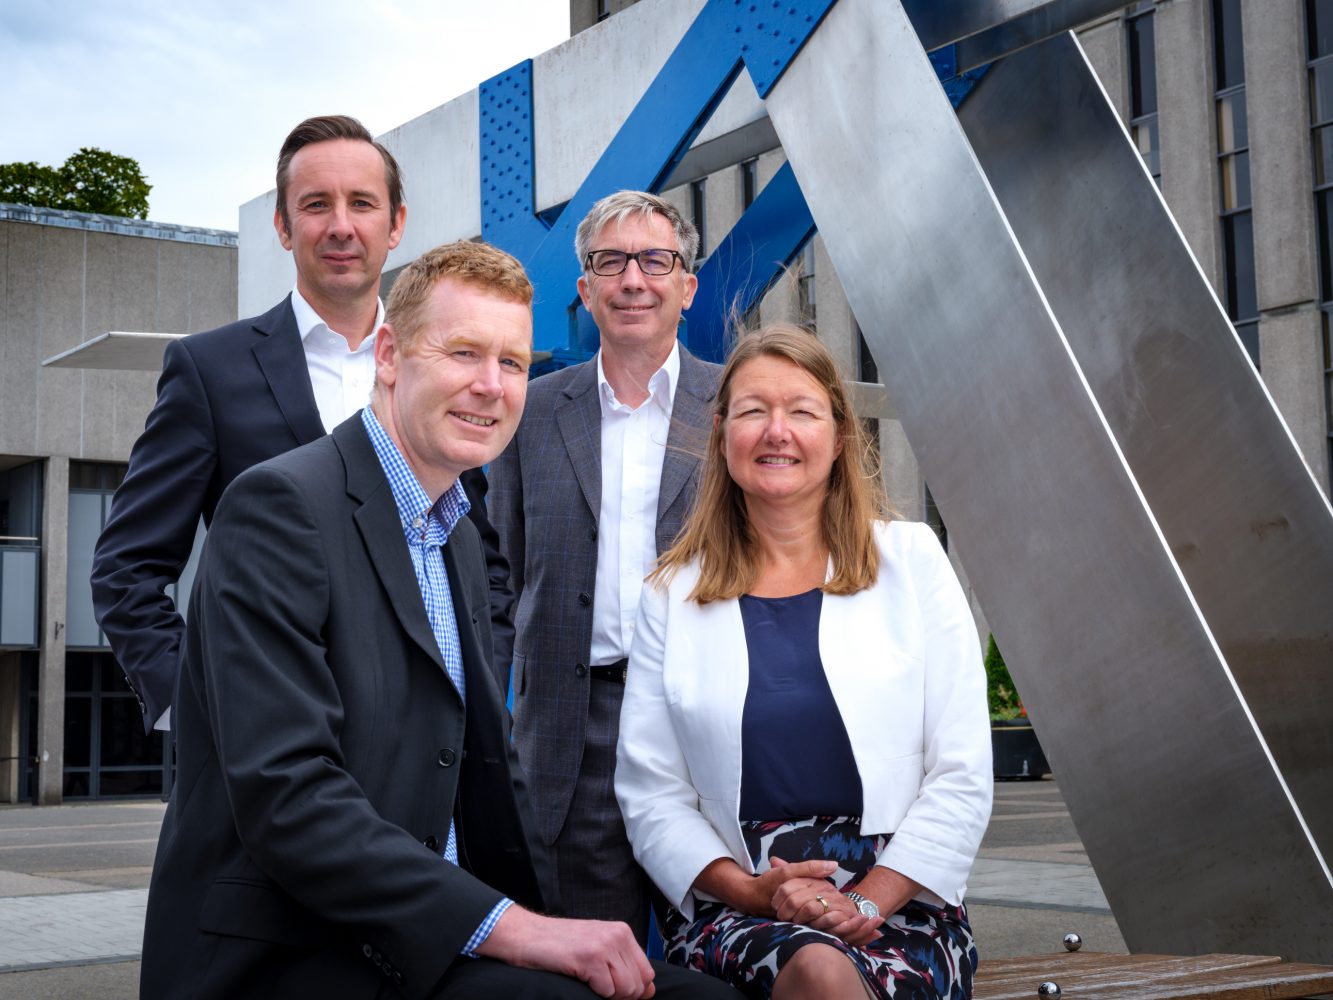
116	350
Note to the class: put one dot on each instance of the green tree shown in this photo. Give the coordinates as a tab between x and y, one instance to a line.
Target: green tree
29	184
92	180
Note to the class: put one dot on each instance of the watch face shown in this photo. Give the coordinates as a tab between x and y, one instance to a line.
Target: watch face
867	908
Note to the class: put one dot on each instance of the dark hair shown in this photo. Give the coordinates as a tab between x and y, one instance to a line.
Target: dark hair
326	128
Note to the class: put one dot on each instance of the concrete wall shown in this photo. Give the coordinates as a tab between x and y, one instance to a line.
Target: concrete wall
60	287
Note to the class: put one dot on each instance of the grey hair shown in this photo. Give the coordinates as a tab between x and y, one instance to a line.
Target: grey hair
616	208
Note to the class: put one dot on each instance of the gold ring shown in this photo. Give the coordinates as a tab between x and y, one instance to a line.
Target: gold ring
824	903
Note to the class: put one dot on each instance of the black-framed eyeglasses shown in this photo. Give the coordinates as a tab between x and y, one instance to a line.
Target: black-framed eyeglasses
653	262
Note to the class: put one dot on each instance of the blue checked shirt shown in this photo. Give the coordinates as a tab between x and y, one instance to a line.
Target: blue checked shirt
426	528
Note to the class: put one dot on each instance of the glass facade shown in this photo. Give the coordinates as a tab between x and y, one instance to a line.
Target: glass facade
1319	39
1143	87
1233	158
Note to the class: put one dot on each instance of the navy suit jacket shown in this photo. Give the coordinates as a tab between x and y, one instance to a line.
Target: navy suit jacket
322	751
228	399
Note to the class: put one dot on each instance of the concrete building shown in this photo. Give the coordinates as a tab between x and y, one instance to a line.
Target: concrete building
69	725
1229	101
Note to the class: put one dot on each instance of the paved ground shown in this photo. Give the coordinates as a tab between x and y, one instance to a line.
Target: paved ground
73	881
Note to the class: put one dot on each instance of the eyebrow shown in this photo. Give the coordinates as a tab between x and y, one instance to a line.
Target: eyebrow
471	343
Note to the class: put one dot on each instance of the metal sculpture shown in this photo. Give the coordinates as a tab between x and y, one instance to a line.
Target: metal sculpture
1134	516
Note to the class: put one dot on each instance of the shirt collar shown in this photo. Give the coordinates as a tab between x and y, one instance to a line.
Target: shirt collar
661	387
308	321
421	519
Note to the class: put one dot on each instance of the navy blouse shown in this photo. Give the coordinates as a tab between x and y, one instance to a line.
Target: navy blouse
796	757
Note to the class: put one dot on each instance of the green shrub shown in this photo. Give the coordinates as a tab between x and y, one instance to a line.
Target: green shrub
1001	695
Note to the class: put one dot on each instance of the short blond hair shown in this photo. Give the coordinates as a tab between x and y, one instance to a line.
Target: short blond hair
470	263
717	532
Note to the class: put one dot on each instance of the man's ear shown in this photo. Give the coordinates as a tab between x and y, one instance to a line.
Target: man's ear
396	225
691	286
284	237
584	290
387	355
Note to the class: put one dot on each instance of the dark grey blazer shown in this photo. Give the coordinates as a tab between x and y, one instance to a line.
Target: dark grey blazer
322	748
546	491
227	399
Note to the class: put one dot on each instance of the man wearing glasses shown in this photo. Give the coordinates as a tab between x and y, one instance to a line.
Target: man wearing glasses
595	484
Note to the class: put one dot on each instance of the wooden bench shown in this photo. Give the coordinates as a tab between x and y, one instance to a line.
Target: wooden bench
1096	976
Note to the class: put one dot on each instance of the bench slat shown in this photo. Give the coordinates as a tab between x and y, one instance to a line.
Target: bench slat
1096	976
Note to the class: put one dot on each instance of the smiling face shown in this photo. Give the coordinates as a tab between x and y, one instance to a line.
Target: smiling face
341	229
779	436
635	311
453	400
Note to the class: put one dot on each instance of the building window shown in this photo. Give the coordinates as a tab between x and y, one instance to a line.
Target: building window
603	9
1319	31
805	286
1233	158
1143	87
749	182
699	213
107	753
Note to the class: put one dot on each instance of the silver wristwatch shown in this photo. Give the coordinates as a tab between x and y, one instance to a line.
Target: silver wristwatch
866	907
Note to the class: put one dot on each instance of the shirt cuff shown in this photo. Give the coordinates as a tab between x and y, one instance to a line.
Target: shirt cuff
484	931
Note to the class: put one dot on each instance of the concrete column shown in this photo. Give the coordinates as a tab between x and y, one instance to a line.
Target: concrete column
1103	42
1285	251
51	662
1185	121
10	708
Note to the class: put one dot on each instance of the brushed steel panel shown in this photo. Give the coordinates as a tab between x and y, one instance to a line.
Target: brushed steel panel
1249	527
998	26
1194	836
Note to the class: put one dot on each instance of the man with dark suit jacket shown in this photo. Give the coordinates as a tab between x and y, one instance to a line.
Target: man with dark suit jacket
350	819
243	393
594	486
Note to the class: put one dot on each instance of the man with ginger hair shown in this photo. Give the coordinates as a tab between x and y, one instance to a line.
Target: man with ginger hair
349	813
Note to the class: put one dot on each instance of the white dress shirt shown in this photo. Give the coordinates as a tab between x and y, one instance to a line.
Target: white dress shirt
633	449
342	378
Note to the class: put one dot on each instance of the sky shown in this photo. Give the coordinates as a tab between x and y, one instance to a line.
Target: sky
202	92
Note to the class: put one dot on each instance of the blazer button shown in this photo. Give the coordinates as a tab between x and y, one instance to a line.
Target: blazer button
367	950
447	757
593	534
580	670
398	978
432	844
585	600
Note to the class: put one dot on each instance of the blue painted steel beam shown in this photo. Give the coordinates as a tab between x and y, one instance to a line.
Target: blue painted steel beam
761	35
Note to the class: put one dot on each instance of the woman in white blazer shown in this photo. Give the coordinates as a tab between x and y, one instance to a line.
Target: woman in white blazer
804	760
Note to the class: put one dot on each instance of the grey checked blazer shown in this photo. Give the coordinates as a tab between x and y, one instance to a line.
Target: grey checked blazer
546	491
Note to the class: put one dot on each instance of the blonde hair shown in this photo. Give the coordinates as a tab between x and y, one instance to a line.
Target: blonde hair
717	533
470	263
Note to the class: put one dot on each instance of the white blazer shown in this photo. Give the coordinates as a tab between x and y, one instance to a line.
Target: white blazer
904	665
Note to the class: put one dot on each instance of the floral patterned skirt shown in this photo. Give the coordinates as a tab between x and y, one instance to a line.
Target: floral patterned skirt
922	953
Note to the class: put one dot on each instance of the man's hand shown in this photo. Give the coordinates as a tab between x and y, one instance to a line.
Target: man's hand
600	953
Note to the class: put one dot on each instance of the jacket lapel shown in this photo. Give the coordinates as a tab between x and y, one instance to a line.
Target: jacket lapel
377	521
691	416
282	360
579	417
